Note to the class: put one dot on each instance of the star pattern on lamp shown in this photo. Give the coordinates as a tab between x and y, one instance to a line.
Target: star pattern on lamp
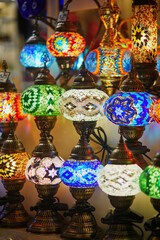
121	110
140	35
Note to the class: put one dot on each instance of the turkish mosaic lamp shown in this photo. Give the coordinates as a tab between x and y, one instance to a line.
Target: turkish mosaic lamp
13	160
144	40
109	61
80	173
66	44
149	185
10	104
131	109
120	180
32	54
83	102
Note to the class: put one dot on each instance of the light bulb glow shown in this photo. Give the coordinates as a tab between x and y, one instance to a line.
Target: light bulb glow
44	171
66	44
83	104
120	180
130	109
12	166
42	100
82	174
109	61
32	55
149	181
10	106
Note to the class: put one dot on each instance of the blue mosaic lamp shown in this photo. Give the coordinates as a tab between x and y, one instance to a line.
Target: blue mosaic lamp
131	106
80	173
35	52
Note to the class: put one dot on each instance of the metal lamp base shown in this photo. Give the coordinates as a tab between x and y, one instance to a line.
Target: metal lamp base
85	126
13	214
83	224
120	221
47	219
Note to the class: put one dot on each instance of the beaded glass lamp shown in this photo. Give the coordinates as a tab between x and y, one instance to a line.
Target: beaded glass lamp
149	184
13	160
144	40
120	180
80	172
110	61
131	110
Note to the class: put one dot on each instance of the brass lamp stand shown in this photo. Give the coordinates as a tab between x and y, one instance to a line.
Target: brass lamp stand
13	213
47	219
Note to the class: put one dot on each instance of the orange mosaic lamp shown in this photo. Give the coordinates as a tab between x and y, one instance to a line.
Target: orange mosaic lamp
144	40
10	107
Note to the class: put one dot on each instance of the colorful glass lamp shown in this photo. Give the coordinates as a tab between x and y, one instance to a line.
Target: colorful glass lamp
80	172
13	160
120	180
83	102
35	53
110	61
10	105
130	108
41	100
149	184
65	44
144	40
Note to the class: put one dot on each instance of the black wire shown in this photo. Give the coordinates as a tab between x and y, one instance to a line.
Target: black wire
100	138
67	4
98	4
142	234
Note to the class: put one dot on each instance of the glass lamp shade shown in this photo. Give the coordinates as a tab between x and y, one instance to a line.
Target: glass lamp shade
80	174
42	100
156	111
10	106
83	104
66	44
144	33
130	109
44	171
12	166
149	181
32	55
120	180
109	61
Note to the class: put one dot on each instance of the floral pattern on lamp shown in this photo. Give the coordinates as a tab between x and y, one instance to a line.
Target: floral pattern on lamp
44	171
66	44
130	109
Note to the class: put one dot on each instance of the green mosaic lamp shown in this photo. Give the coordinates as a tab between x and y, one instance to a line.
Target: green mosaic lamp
149	183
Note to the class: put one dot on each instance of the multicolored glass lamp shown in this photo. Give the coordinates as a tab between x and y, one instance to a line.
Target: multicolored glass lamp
144	40
13	160
83	102
110	61
35	53
120	180
10	105
80	172
130	108
65	44
149	184
41	100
